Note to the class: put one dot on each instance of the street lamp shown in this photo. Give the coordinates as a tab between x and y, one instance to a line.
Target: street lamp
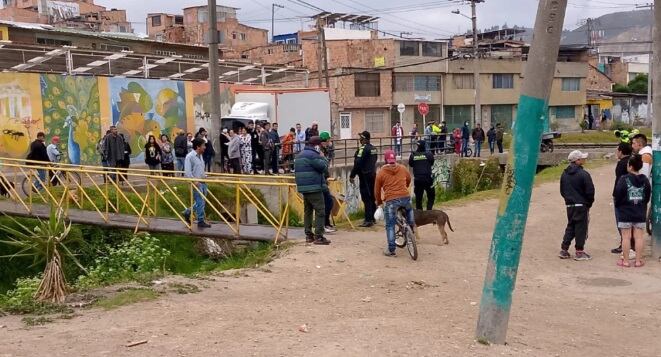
457	12
476	69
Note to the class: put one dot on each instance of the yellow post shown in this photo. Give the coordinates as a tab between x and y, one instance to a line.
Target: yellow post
238	210
155	200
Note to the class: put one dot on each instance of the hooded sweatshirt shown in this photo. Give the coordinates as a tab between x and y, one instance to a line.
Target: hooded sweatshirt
632	194
576	186
394	180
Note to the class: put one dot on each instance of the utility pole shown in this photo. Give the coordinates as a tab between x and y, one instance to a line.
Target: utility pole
655	58
322	58
650	67
520	173
322	32
273	6
214	80
476	63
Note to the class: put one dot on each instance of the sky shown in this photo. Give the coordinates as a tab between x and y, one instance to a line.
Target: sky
420	18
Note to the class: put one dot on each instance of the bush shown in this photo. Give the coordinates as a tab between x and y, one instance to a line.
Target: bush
619	125
21	299
141	255
466	176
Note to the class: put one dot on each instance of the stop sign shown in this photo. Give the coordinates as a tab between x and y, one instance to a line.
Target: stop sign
423	108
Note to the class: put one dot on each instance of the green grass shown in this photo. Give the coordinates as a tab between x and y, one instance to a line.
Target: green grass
553	173
590	136
127	297
250	258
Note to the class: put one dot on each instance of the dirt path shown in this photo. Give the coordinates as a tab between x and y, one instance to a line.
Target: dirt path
357	302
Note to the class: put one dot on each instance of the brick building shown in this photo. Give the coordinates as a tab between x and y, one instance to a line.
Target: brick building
193	27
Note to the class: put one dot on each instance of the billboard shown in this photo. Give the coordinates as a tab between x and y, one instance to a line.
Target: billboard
59	10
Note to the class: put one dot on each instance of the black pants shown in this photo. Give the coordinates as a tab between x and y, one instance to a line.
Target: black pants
500	146
367	195
577	227
274	162
235	165
328	205
267	161
419	189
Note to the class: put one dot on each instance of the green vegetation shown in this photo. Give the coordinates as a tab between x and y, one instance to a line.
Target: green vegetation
475	175
637	85
127	297
598	137
21	299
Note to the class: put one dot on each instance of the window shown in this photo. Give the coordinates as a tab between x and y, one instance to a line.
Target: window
367	84
427	83
374	121
178	20
165	53
432	49
122	28
463	81
50	41
291	40
409	48
242	36
233	35
565	112
403	83
113	48
503	81
502	114
156	21
571	84
456	115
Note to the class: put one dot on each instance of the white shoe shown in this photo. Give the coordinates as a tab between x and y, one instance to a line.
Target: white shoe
632	254
329	230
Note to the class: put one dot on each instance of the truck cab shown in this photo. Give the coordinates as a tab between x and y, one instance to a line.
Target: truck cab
244	113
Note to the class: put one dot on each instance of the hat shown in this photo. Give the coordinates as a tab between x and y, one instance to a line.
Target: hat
315	140
389	157
225	130
324	135
576	155
55	139
365	134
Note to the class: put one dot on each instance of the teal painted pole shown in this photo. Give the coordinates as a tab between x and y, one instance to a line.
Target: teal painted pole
656	134
520	173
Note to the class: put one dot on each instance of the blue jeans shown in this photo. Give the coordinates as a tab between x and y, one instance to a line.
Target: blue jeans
464	147
390	214
478	148
42	176
198	203
492	146
180	163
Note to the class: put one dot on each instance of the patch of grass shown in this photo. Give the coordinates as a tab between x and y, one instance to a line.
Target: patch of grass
183	289
262	254
127	297
184	259
553	173
36	321
483	341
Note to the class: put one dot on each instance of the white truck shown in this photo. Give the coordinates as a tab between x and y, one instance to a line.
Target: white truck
287	107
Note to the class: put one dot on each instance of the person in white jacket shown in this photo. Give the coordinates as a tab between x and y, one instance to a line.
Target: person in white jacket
640	147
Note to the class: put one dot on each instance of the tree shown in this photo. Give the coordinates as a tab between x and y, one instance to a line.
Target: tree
637	85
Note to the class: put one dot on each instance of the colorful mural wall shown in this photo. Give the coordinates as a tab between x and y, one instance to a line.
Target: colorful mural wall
79	109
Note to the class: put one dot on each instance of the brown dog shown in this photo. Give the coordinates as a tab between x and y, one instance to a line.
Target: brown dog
437	217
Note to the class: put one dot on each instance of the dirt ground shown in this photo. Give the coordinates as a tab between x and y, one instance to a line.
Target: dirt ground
356	302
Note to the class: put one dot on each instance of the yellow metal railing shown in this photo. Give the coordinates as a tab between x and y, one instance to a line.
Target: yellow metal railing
146	194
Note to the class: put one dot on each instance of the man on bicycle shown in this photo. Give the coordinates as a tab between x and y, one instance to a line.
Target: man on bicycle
392	186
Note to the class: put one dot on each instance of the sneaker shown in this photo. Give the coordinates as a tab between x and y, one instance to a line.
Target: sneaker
186	216
364	224
321	241
329	229
581	255
617	250
388	253
309	239
203	225
564	254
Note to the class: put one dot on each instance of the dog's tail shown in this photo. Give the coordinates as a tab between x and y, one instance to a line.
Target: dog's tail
447	218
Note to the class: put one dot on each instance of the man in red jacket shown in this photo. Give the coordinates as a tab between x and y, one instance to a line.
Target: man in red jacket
397	133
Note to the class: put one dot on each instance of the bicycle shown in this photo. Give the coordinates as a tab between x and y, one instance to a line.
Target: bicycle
54	177
404	235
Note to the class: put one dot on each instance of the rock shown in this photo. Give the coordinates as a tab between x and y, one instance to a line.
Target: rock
340	260
366	299
473	303
304	328
214	248
318	266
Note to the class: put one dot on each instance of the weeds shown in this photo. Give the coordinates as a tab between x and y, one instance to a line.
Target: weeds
127	297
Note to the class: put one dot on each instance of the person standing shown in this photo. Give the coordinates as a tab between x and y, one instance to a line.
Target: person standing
422	163
500	134
640	147
152	155
491	136
114	149
167	158
224	143
39	153
577	189
364	166
288	149
392	187
397	133
632	194
275	154
456	140
624	152
126	163
257	152
180	150
310	167
465	138
300	139
428	136
478	138
442	136
414	132
189	143
194	169
234	153
246	152
54	157
209	151
312	131
325	151
266	143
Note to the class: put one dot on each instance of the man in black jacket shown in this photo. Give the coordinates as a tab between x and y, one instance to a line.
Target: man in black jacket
180	150
364	166
624	152
578	191
422	162
38	152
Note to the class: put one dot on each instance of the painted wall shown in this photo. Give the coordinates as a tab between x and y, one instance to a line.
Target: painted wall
79	109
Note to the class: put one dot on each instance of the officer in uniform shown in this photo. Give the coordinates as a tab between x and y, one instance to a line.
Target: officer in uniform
364	166
422	162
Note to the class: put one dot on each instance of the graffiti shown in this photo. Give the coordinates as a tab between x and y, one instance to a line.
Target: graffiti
352	198
19	104
61	10
441	172
146	107
71	110
202	103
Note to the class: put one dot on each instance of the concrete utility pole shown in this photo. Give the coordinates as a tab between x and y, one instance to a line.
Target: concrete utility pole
655	58
320	54
273	6
322	33
650	70
520	173
476	63
214	80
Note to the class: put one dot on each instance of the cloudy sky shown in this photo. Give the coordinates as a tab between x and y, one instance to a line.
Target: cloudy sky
421	18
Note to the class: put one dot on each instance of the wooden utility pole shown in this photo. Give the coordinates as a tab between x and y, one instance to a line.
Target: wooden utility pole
273	6
214	80
320	51
476	63
520	173
656	134
322	33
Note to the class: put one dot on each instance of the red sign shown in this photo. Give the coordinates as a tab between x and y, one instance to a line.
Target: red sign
423	108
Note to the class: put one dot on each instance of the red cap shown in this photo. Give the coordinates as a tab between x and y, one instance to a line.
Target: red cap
389	157
55	139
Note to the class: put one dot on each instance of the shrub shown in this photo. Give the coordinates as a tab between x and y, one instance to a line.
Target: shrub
141	255
619	125
468	176
21	300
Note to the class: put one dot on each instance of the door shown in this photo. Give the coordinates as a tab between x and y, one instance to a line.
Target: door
345	125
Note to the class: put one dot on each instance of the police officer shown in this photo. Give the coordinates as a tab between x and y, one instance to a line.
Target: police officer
422	162
364	166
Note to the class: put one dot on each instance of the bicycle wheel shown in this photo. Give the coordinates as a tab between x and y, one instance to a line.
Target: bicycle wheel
400	237
411	245
26	186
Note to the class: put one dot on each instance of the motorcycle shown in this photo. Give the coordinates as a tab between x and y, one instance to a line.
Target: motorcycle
547	141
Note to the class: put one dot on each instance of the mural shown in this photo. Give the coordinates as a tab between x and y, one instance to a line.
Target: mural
71	109
20	113
143	107
202	103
